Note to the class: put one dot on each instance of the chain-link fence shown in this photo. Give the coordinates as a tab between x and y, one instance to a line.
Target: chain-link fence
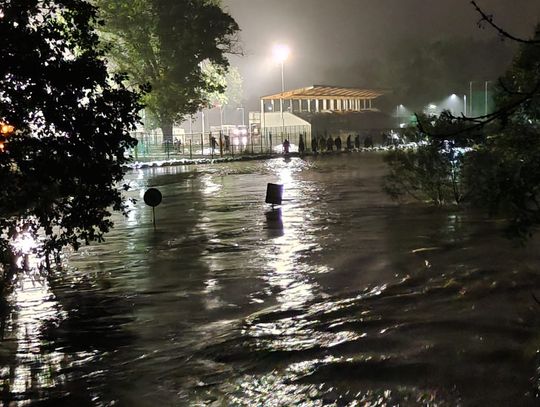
152	146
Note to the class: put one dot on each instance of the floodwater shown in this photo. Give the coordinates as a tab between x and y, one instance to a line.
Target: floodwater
343	298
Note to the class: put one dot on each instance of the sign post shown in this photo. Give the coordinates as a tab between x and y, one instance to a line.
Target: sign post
153	197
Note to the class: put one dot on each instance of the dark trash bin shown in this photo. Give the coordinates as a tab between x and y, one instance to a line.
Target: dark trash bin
274	194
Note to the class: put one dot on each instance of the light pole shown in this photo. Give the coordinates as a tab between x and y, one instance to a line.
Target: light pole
281	53
470	98
454	100
398	108
486	98
243	113
202	121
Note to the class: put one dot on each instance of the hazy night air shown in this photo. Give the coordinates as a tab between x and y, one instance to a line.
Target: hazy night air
336	42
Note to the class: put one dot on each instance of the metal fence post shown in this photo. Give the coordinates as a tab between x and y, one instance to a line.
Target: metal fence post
190	150
220	143
202	144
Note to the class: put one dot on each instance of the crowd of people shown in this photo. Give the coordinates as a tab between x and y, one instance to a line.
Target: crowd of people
319	143
328	143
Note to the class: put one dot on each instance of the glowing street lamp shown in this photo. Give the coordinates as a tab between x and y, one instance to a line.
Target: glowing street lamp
398	111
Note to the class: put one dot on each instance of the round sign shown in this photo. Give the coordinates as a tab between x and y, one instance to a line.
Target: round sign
152	197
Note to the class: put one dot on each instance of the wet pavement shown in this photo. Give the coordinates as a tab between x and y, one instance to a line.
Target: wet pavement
340	298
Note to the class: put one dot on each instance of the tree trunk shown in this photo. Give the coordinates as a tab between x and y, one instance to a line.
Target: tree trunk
167	130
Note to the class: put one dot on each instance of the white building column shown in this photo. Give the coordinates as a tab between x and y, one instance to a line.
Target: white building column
324	104
370	103
309	105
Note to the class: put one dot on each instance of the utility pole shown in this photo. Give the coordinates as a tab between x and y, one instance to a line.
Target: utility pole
202	120
486	98
470	99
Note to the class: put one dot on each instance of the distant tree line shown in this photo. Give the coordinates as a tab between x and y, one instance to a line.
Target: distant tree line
426	71
490	162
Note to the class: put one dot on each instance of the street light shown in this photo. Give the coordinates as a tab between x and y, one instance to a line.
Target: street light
486	98
470	98
281	53
453	102
243	113
398	109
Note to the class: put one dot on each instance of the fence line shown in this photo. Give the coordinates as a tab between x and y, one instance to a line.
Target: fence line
152	146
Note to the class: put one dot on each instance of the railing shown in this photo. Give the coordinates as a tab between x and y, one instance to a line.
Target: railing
152	147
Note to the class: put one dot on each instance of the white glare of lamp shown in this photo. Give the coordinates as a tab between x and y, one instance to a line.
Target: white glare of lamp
281	52
453	96
432	106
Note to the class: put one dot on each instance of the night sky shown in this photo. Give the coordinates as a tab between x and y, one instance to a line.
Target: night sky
326	36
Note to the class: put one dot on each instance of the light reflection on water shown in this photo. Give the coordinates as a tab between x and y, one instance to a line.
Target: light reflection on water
33	368
326	301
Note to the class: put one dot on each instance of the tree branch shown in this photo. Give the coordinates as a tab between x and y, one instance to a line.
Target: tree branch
489	19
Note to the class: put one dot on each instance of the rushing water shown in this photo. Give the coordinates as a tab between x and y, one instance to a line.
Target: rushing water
342	298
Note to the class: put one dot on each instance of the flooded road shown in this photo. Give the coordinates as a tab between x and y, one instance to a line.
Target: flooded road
342	298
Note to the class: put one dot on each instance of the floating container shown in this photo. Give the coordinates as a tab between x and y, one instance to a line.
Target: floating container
274	194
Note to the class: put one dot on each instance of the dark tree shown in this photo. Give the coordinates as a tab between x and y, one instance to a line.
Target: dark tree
500	170
61	165
433	171
176	47
505	171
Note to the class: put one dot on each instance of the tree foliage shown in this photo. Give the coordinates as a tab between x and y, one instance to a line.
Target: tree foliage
506	169
500	172
168	44
60	167
229	87
433	172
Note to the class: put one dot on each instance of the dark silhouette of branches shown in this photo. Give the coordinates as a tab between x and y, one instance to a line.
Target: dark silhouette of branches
505	34
522	97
